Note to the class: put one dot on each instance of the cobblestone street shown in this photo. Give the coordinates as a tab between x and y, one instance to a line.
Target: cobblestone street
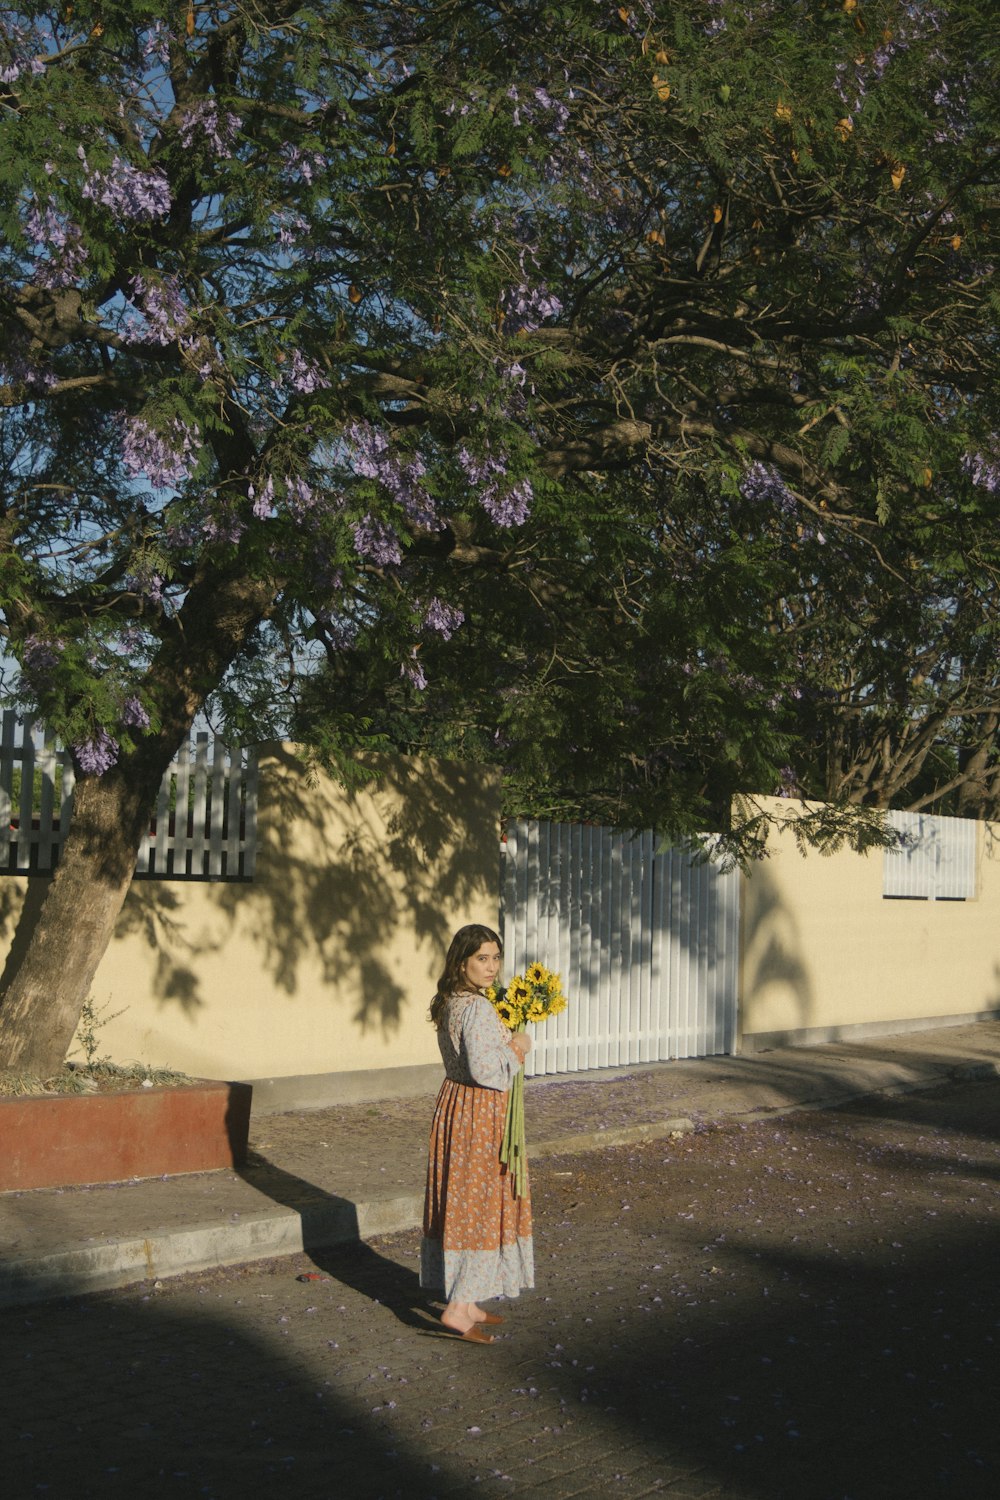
796	1309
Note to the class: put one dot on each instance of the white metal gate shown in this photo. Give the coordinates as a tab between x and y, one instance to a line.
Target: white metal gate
647	945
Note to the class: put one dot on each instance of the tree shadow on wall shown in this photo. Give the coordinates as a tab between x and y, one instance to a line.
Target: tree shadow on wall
772	946
341	879
18	918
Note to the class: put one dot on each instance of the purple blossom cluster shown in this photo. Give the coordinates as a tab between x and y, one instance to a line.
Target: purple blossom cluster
371	456
131	640
536	103
515	400
300	498
223	526
263	500
952	100
98	754
515	374
134	714
165	460
148	583
718	23
305	375
413	672
297	162
128	191
763	485
510	508
852	82
508	505
525	308
788	786
45	225
291	227
199	353
58	240
377	543
157	44
204	119
164	311
22	57
17	370
442	617
484	470
38	656
983	470
339	631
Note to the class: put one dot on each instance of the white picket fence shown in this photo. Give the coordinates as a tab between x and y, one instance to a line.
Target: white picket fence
646	943
203	827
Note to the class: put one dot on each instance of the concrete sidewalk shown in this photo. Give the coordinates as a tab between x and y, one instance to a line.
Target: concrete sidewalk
320	1177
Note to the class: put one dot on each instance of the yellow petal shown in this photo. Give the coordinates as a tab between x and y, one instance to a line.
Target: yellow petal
898	173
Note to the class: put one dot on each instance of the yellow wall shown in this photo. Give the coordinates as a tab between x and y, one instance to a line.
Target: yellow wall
822	949
326	961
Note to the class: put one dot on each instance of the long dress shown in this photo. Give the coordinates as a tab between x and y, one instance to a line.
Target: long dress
477	1235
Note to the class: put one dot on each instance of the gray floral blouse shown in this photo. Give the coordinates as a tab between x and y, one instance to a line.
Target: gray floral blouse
475	1044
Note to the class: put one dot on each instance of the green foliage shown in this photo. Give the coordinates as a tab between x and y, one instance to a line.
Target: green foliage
92	1019
657	343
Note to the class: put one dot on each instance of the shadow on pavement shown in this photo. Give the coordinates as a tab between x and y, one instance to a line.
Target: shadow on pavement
795	1320
330	1237
128	1396
783	1311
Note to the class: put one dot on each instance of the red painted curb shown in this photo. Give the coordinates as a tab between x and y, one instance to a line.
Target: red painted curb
67	1140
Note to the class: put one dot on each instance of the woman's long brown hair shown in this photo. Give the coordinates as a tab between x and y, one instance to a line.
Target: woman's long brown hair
467	941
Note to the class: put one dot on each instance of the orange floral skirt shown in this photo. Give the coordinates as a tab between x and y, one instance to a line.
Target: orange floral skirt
477	1236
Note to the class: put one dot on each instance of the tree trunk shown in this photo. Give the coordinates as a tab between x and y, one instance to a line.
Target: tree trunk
40	1010
42	1007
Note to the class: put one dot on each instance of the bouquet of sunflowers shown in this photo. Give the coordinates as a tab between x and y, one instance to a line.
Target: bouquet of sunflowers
534	996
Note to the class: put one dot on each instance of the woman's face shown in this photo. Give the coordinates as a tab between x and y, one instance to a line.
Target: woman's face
482	968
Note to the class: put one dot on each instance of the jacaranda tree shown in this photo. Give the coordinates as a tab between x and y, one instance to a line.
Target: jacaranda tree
619	381
777	354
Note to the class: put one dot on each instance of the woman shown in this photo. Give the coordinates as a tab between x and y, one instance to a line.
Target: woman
477	1234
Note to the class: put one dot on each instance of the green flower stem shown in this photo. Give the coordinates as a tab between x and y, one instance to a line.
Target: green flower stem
513	1150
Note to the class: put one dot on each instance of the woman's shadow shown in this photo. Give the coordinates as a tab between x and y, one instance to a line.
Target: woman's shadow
331	1238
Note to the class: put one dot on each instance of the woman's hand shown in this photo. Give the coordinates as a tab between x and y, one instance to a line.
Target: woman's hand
521	1043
